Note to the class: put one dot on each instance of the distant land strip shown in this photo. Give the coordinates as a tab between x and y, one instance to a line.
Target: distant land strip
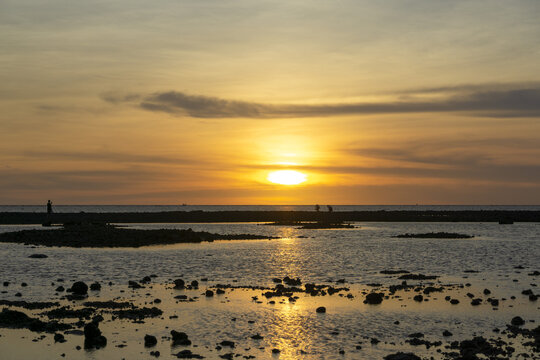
503	216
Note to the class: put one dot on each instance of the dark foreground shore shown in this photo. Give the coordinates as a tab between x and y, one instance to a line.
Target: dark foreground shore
272	216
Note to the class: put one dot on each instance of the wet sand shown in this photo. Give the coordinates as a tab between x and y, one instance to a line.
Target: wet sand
279	318
474	311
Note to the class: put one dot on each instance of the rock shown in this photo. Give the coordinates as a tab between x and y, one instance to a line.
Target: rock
155	353
257	337
292	282
321	309
60	289
209	293
149	340
447	333
220	291
187	354
517	321
180	338
134	285
533	297
374	298
195	284
487	291
59	338
227	343
416	335
79	288
95	286
277	280
476	302
146	279
454	301
6	283
179	284
417	277
402	356
93	337
276	351
418	298
38	256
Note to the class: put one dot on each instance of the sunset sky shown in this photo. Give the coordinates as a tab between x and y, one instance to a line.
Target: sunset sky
170	102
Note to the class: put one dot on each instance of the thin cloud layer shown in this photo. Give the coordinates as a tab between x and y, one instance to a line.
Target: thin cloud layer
497	102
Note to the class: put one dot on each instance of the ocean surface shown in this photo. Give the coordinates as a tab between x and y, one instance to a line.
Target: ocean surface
159	208
501	256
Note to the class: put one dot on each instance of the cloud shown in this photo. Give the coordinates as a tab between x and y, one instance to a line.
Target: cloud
495	101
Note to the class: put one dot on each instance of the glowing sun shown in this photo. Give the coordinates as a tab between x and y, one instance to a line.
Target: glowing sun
286	177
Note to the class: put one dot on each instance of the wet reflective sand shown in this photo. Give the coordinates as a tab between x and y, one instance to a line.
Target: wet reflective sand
293	327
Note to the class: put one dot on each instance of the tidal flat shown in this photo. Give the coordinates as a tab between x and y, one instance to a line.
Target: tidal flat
355	293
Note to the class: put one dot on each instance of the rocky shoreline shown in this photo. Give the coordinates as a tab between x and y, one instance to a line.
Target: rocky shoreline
499	216
102	235
78	320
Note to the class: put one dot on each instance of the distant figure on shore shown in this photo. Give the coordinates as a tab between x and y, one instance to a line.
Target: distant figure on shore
317	208
330	208
49	207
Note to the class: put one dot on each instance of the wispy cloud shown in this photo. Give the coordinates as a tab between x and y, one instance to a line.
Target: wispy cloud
495	101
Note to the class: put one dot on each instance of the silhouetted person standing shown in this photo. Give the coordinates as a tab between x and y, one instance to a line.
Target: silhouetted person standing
49	208
330	208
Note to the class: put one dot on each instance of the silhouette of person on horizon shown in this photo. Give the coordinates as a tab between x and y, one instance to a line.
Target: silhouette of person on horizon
49	207
330	208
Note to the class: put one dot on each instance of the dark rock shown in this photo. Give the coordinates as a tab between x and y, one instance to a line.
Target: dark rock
195	284
149	340
321	309
417	277
276	351
179	284
155	353
228	343
392	272
374	298
59	338
60	289
418	298
416	335
79	288
257	337
93	337
446	333
209	293
454	301
402	356
476	302
487	291
38	256
187	354
95	286
180	338
517	321
134	285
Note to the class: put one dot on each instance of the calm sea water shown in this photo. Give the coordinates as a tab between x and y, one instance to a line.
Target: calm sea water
158	208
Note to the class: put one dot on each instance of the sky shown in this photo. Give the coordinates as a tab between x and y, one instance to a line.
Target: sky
175	101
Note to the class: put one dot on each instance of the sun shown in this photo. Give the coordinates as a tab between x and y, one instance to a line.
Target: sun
286	177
